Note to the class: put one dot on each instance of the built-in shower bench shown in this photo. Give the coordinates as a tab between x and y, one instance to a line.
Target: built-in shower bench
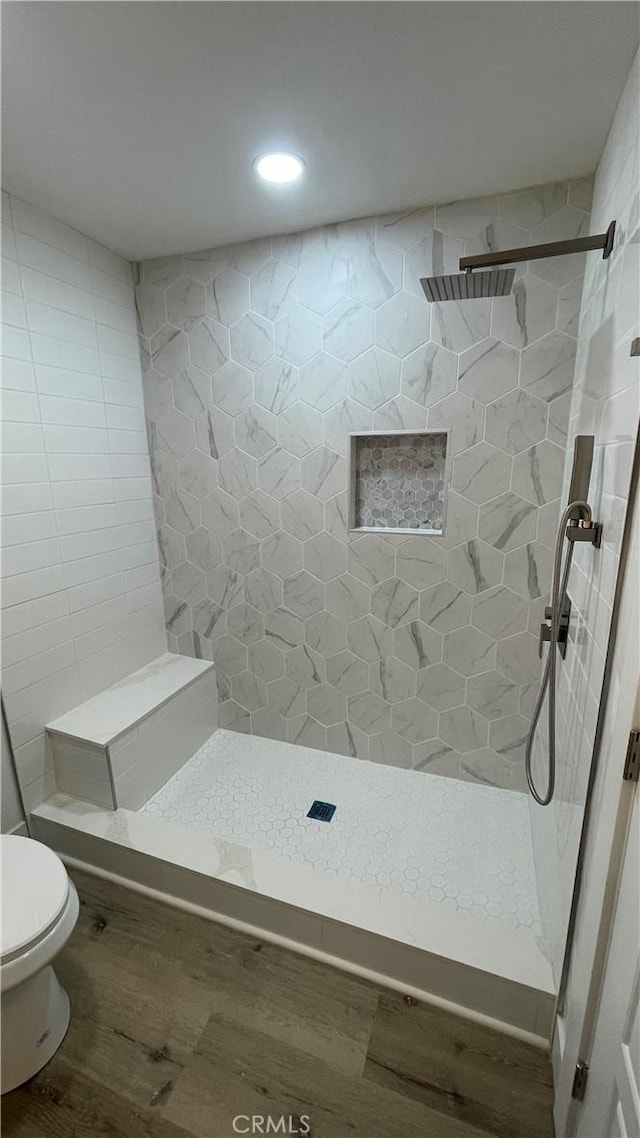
119	747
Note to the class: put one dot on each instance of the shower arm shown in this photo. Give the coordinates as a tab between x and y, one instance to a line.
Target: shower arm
602	241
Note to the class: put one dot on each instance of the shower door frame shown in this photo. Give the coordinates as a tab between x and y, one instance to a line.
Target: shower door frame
591	917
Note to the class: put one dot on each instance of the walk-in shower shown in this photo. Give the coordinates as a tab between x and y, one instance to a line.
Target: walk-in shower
381	665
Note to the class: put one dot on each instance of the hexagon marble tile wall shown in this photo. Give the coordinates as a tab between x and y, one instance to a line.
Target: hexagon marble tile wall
258	361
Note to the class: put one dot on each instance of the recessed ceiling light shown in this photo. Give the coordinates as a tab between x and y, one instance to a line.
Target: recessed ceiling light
280	168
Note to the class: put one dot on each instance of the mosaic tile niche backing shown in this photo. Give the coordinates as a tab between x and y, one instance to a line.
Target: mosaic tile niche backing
399	481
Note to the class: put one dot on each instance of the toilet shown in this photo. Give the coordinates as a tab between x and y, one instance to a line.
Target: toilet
39	912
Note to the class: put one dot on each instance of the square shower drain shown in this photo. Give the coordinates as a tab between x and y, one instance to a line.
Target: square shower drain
322	811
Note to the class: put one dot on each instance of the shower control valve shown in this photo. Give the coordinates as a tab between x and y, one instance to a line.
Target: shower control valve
563	630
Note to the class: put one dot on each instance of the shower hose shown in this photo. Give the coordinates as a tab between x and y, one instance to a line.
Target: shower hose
558	590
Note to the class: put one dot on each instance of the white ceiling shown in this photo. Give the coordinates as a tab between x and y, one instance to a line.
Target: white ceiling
137	122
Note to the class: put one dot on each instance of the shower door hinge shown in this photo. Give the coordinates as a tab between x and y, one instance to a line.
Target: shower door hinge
631	772
580	1078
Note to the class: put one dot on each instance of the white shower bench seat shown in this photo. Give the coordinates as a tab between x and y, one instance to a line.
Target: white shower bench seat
119	747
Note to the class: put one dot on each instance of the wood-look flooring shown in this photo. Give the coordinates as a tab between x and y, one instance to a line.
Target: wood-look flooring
180	1025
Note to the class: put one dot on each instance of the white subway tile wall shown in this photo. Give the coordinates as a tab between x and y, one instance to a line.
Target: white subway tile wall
260	360
605	402
81	596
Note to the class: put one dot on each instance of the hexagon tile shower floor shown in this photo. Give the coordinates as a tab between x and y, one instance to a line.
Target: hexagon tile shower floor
429	837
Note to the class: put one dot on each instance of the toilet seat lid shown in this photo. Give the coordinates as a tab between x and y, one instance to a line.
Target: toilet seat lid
34	892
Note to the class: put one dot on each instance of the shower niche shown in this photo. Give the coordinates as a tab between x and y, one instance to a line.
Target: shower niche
398	481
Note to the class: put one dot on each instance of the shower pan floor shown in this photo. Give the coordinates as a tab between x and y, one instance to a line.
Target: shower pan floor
419	882
464	846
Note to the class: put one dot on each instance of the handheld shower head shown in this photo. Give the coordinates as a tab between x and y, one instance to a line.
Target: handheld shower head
469	285
581	470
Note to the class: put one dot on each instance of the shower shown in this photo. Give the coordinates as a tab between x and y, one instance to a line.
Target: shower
492	281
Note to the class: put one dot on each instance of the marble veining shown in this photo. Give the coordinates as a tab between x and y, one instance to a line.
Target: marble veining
394	829
266	358
101	719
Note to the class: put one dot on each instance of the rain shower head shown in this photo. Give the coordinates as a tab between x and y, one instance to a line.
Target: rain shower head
482	275
469	285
